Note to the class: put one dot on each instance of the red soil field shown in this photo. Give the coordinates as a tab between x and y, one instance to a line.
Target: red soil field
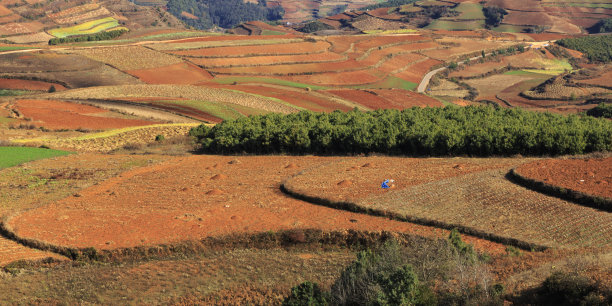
400	61
226	38
592	176
128	211
459	33
28	85
297	97
278	49
376	41
364	97
20	28
4	11
341	78
64	115
343	43
416	72
267	60
9	18
602	80
375	56
293	69
180	73
527	18
405	98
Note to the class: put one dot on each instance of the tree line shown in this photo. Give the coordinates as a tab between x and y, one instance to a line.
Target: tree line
596	48
106	35
473	130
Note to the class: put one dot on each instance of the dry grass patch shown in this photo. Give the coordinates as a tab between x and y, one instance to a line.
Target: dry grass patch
129	58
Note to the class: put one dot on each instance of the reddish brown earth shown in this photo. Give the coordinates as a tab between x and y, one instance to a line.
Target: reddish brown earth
415	72
363	97
591	176
287	48
28	85
603	80
339	78
177	200
64	115
297	97
180	73
406	98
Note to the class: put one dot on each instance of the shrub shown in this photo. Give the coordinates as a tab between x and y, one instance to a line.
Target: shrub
567	289
52	89
513	251
306	293
602	110
159	138
464	249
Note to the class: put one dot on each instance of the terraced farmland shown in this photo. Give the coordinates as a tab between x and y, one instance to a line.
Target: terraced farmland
477	200
90	27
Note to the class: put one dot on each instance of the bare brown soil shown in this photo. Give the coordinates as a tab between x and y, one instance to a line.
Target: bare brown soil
278	49
127	211
180	73
64	115
482	200
591	176
28	85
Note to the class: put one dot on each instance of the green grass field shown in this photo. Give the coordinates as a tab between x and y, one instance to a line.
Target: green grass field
90	27
389	82
12	48
449	25
239	80
469	11
13	156
219	110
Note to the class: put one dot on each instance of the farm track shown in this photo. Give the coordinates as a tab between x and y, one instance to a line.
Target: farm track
484	204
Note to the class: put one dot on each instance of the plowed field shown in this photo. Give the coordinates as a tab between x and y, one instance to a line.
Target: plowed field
180	73
472	193
203	196
28	85
241	51
64	115
338	79
591	176
267	60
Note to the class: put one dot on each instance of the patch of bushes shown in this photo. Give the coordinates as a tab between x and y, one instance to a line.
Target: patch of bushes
315	26
473	130
596	48
106	35
395	274
563	288
602	110
603	26
494	15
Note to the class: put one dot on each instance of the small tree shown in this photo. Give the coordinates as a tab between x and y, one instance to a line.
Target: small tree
52	89
306	293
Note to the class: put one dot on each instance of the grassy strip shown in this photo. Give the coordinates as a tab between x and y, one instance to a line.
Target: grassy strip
352	207
240	80
13	156
575	196
389	82
13	92
12	48
106	133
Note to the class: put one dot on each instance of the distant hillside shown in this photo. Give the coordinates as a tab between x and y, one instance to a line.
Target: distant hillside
39	21
204	14
530	16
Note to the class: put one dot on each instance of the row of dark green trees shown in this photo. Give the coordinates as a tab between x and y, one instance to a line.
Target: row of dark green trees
106	35
597	48
474	131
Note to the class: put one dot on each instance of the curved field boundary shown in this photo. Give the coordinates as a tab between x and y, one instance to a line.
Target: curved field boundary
265	240
352	207
578	197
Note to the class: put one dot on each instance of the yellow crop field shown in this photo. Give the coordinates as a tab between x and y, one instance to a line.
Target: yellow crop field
90	27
